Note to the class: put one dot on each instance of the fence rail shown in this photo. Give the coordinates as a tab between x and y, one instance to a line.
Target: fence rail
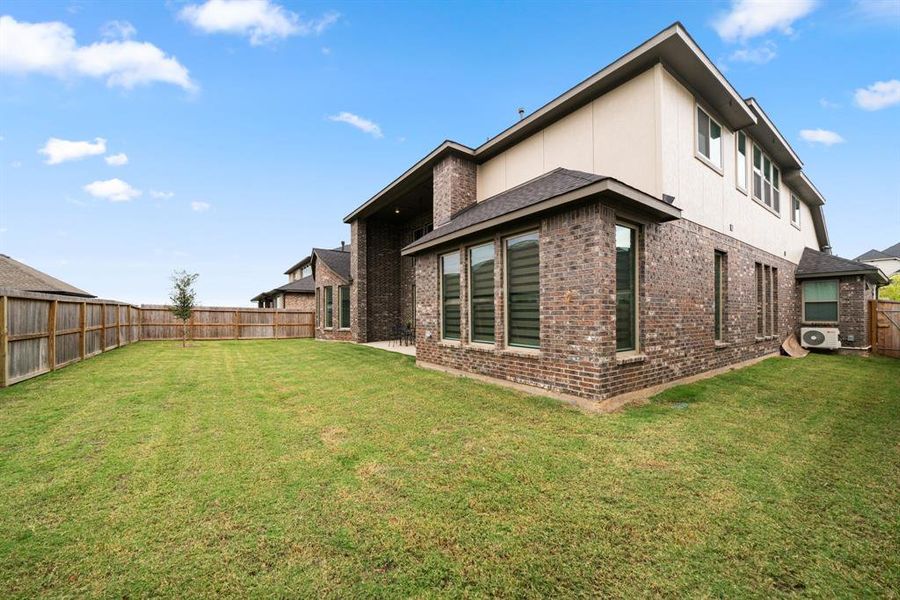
40	333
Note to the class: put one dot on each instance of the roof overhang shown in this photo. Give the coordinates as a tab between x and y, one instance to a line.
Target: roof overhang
612	192
302	263
408	180
767	135
803	187
873	275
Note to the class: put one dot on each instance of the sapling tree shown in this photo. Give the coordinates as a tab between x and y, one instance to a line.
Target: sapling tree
183	298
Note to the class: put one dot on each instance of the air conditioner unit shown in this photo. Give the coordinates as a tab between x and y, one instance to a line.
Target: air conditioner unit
820	337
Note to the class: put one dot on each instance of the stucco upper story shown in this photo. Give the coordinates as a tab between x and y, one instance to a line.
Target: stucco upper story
637	121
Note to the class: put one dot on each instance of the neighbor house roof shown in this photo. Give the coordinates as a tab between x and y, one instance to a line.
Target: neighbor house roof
336	260
559	186
893	250
304	285
306	260
815	264
679	53
19	276
873	255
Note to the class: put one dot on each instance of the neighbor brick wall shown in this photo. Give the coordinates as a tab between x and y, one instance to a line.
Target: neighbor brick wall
453	187
325	277
577	324
305	302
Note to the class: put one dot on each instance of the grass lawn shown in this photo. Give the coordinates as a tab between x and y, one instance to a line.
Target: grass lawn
295	468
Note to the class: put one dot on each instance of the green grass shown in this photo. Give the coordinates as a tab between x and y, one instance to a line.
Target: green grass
296	468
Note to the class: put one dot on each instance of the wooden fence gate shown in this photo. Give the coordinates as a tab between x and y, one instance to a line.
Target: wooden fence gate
884	327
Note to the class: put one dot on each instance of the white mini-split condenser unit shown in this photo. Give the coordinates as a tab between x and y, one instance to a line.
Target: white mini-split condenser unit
827	338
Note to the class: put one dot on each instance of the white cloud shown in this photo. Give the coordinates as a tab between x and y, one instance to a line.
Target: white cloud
114	190
751	18
161	195
880	94
50	48
360	123
118	30
758	56
878	10
821	136
117	160
198	206
826	103
58	151
262	21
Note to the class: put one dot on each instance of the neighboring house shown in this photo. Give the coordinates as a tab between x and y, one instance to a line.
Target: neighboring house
297	294
888	260
19	276
331	270
646	225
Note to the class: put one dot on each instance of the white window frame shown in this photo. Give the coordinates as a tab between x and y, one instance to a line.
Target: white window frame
717	167
458	254
795	212
766	184
504	249
737	161
636	351
469	300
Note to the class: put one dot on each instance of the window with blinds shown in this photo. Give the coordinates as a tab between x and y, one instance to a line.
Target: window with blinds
329	306
450	296
523	290
344	295
820	301
481	293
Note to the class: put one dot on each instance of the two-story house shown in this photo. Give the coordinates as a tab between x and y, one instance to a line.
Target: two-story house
645	225
297	293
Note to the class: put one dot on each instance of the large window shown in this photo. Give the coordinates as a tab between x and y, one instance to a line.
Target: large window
820	301
329	307
318	309
481	293
719	294
344	296
795	210
523	290
709	138
741	161
450	296
626	288
766	180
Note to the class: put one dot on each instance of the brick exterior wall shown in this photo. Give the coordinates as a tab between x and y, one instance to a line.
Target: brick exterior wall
325	277
359	324
454	187
306	302
854	294
577	308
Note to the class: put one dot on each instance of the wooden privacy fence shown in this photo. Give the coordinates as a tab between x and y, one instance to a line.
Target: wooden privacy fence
44	332
213	323
884	327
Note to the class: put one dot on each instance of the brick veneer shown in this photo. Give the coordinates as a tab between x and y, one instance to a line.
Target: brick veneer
359	324
853	295
577	315
305	302
454	187
325	277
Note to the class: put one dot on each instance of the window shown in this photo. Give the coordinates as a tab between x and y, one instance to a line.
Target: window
450	296
820	301
766	181
344	296
523	290
719	294
318	309
481	293
766	300
626	288
420	232
709	138
795	210
329	307
741	158
305	272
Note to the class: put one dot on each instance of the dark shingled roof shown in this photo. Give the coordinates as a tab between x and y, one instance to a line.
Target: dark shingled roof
304	285
337	261
819	264
556	182
872	254
20	276
893	250
306	259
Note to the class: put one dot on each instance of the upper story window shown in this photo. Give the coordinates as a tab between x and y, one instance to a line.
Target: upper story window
709	138
450	317
766	181
523	288
481	293
305	272
795	211
740	172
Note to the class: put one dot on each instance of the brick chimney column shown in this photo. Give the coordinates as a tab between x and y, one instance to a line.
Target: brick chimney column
454	187
359	322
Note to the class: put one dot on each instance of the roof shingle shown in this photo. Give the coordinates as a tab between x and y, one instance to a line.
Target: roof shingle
20	276
819	264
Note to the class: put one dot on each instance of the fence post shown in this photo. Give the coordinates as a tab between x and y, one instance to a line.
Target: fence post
130	326
275	324
4	343
83	324
192	325
237	324
103	327
873	324
118	326
51	334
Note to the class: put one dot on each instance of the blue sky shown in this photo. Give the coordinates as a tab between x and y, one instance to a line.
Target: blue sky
240	157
